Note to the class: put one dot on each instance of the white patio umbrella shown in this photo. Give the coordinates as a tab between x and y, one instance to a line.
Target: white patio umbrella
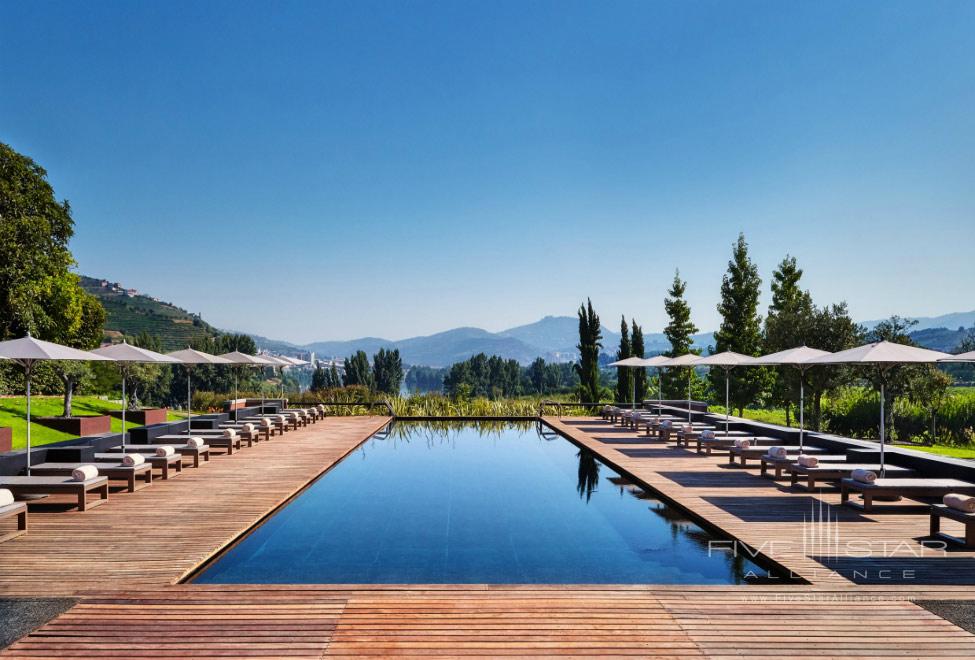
799	358
727	360
960	357
687	361
27	351
279	362
190	357
885	355
632	362
239	359
125	354
657	361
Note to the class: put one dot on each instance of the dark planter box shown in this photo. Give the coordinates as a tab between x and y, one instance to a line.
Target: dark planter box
79	454
143	417
6	439
88	425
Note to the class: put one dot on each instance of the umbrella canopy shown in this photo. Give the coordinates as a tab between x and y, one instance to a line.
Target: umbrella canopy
189	357
884	354
27	350
242	359
633	362
295	361
961	357
125	354
727	360
799	358
278	361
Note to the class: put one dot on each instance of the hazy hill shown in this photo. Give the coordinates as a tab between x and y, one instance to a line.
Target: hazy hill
130	312
952	321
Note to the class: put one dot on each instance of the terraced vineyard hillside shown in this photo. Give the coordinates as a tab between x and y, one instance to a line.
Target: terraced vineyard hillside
130	313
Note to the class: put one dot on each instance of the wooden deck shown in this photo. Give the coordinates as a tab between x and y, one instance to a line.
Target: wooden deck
842	547
131	608
157	535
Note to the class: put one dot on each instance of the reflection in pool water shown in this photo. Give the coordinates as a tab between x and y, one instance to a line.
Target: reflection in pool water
473	503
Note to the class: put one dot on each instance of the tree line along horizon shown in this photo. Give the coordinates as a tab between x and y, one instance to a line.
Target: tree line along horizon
41	295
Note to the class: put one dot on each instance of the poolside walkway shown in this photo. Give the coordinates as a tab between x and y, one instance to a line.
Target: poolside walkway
157	535
853	548
131	608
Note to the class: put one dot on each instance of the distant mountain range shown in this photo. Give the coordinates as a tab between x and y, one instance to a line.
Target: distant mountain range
553	338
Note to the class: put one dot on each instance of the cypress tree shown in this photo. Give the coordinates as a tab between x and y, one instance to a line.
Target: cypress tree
637	350
623	374
741	326
590	338
678	333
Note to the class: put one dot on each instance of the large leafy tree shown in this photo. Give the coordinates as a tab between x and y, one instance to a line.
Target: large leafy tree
787	326
590	341
741	326
623	374
679	333
357	370
39	294
638	350
830	328
898	379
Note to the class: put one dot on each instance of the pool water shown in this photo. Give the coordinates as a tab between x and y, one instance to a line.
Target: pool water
469	503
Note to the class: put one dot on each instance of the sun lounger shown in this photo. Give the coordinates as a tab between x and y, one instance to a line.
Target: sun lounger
837	471
744	455
195	453
726	443
37	485
255	435
683	435
301	415
277	424
214	439
18	510
130	474
893	487
939	511
168	466
780	464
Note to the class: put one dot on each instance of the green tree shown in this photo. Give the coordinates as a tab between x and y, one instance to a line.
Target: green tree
741	326
387	371
679	333
830	329
638	350
145	381
896	379
623	382
787	326
319	378
590	341
536	375
358	371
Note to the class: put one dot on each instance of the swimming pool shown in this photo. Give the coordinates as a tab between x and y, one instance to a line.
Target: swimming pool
502	503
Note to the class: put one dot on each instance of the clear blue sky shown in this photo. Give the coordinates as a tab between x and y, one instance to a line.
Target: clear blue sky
399	168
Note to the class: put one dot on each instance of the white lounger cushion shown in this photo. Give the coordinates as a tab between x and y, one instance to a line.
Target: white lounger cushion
84	472
6	497
864	476
807	461
960	502
131	460
778	452
194	442
165	450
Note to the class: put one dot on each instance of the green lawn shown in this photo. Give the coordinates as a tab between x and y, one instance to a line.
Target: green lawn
945	450
772	416
13	413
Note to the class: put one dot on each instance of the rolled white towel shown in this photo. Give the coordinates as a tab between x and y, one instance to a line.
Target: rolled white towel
707	434
194	442
321	408
805	460
248	427
165	450
666	424
864	476
778	452
131	460
265	422
743	443
6	497
960	502
229	433
84	472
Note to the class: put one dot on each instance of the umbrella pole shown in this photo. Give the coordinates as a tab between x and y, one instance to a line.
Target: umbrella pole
727	399
883	466
27	374
660	391
189	400
802	407
123	410
690	373
235	394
